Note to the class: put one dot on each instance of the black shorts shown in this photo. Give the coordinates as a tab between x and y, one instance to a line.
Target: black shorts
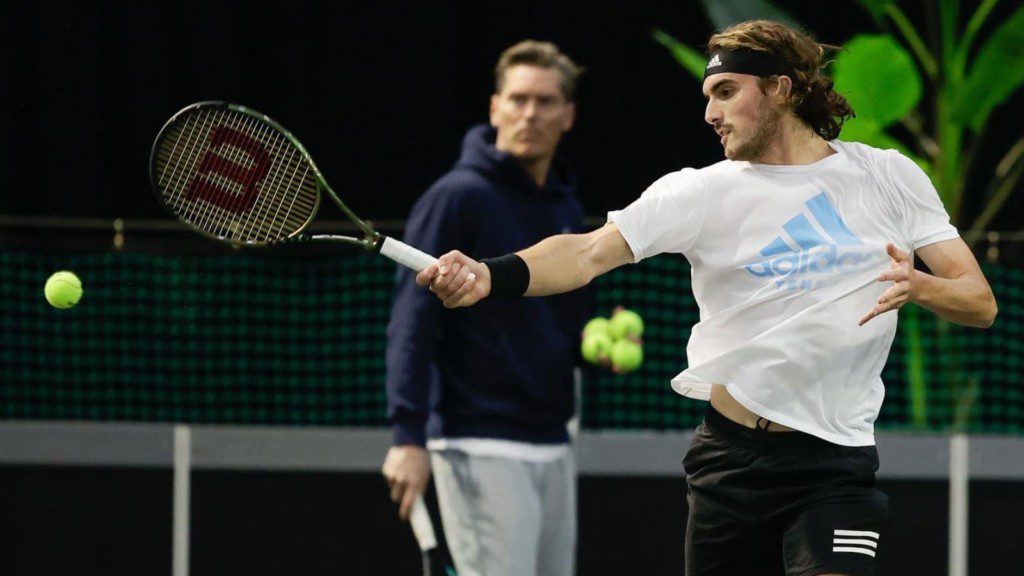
774	503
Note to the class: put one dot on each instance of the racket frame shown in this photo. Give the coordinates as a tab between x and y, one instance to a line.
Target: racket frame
371	240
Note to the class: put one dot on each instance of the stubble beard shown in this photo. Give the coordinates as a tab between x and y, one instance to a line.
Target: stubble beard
762	138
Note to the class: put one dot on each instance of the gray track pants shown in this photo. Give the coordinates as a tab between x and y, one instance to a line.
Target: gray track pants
507	517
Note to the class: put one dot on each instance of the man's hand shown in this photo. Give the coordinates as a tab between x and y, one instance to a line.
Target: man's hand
407	470
904	279
457	279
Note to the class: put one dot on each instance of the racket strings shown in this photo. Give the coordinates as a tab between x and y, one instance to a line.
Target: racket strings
270	211
226	139
203	214
188	157
285	218
240	127
208	214
281	187
183	159
258	188
244	227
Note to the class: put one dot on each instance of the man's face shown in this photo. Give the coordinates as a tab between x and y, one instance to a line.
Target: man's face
745	119
531	113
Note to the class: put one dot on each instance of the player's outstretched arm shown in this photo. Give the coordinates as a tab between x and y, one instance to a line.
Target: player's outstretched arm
557	264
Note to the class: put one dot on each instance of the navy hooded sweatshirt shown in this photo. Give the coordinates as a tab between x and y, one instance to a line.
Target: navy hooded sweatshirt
503	367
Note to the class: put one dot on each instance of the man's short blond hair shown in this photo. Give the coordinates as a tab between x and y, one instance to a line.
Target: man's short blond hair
541	55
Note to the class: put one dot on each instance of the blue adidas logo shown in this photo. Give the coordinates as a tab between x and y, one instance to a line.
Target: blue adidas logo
830	253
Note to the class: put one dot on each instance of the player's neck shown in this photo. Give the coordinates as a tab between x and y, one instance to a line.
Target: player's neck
795	144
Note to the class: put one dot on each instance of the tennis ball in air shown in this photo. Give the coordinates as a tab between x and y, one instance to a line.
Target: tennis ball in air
63	289
596	347
596	325
625	323
627	355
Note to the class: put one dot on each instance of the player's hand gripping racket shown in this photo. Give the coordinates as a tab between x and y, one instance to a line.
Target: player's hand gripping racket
237	176
435	561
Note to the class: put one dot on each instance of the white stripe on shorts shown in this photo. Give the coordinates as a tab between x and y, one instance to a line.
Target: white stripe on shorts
868	543
857	550
860	533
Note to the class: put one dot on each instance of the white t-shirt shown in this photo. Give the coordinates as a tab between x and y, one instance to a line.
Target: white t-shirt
784	262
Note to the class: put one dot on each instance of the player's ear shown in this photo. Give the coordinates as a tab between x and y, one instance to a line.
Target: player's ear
570	117
783	88
494	109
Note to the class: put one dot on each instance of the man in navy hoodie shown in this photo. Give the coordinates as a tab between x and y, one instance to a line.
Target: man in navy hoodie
483	395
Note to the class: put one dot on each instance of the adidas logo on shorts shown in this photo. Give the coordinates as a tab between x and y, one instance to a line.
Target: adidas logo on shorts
855	541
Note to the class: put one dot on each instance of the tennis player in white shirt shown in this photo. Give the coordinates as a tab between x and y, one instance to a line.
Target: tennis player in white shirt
800	244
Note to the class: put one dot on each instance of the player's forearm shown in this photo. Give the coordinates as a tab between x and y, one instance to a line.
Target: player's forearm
558	264
569	261
966	300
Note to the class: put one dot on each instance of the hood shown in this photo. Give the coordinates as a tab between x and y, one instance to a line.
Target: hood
480	155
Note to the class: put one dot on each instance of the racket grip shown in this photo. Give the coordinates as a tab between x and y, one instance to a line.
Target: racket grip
405	255
422	527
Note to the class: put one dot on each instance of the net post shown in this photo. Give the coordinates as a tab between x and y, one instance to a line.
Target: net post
959	478
182	499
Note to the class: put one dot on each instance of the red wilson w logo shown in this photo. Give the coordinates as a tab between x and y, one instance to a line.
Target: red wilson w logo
247	178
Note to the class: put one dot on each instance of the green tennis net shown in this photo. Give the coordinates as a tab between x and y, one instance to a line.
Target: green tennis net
247	339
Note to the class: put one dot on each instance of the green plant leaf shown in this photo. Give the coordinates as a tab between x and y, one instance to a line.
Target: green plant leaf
878	78
690	59
725	13
868	132
995	74
876	8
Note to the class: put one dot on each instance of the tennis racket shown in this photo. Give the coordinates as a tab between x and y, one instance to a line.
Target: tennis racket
235	175
435	561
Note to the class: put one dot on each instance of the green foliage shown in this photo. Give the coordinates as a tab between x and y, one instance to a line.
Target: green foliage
883	76
874	64
995	74
690	59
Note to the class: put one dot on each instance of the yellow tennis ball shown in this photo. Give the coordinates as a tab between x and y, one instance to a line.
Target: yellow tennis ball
625	323
596	325
596	347
627	355
63	289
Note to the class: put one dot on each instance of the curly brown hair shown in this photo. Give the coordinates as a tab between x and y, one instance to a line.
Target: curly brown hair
813	98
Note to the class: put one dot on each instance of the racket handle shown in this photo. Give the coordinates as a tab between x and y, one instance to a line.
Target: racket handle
422	527
405	255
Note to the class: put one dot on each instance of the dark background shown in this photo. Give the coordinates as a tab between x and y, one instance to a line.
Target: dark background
379	92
